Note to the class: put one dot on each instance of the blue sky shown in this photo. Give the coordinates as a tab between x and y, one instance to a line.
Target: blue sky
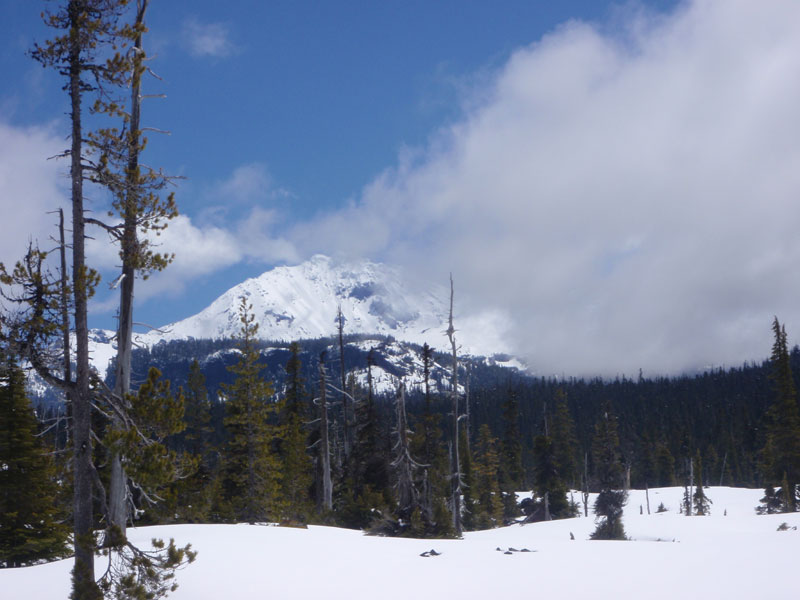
559	132
312	99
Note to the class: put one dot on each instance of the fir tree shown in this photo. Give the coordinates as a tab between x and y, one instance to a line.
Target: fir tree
194	496
565	442
251	473
512	475
31	529
702	505
665	466
783	434
609	474
297	466
488	507
549	486
369	474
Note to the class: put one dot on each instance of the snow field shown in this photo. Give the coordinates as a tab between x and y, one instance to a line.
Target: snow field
741	555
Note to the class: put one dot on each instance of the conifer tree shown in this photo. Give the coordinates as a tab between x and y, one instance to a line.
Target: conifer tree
549	485
89	49
783	433
427	444
193	497
665	466
140	208
565	442
85	27
512	474
251	473
609	474
31	528
297	472
701	502
488	507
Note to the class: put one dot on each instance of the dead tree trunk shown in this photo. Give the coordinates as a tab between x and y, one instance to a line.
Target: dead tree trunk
326	497
585	484
455	468
403	464
345	412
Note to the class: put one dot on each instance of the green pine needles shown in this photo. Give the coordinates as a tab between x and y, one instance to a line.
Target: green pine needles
31	528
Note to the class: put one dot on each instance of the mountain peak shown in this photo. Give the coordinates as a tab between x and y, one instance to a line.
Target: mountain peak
302	301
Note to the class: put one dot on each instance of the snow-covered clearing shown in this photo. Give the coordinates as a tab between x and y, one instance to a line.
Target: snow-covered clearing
740	555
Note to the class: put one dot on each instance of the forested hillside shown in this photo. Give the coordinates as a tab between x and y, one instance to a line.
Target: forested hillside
662	421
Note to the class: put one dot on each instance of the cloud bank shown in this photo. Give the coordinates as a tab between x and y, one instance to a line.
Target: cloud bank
630	197
30	187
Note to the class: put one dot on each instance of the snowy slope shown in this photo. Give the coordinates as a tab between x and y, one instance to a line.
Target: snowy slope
738	555
299	302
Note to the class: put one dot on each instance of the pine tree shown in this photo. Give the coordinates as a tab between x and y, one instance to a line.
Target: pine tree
609	474
665	466
194	496
783	433
251	473
296	464
549	486
565	442
701	502
85	29
368	485
512	474
88	49
488	506
31	529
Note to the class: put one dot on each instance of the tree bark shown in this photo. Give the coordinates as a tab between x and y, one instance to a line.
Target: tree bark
67	358
84	586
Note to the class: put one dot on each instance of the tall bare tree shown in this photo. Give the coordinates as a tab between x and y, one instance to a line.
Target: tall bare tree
325	493
455	465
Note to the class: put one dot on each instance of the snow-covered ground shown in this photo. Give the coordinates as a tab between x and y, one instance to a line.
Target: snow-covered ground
738	555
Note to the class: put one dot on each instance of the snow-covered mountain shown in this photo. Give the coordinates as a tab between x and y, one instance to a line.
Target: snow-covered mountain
301	302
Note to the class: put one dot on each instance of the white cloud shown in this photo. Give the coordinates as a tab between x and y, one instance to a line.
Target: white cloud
246	183
632	200
30	187
200	251
207	40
